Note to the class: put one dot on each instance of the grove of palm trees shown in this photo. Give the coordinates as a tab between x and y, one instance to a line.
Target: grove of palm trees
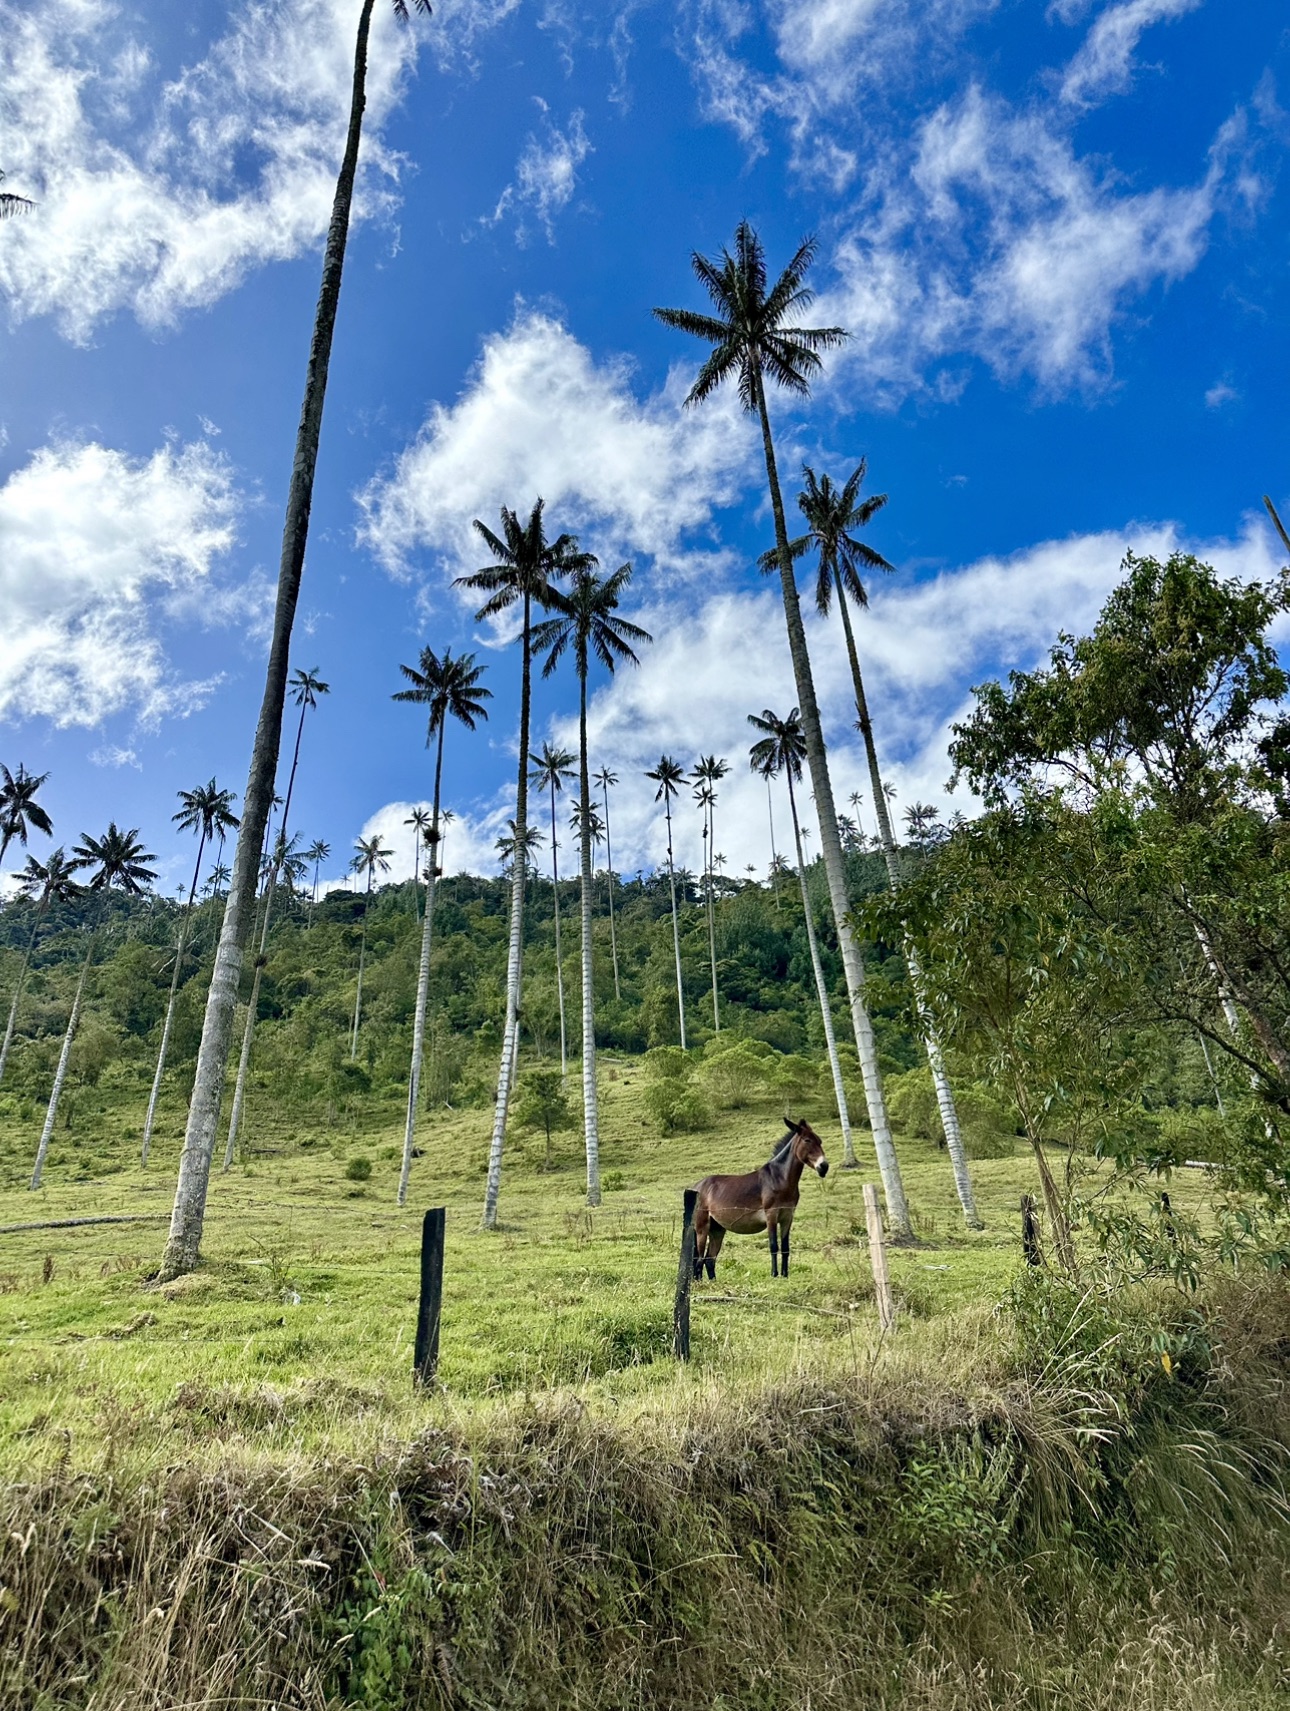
628	907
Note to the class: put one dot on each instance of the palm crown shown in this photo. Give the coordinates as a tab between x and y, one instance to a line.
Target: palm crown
832	514
552	769
370	857
527	564
50	881
750	331
119	860
669	776
587	623
782	747
207	811
19	809
446	685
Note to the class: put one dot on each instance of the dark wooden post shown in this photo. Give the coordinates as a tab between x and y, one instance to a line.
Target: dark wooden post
1167	1213
1030	1231
684	1278
425	1362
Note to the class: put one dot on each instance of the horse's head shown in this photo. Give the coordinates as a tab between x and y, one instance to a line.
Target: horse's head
807	1146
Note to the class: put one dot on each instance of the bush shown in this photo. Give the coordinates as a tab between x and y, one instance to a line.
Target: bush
358	1170
988	1125
670	1096
734	1071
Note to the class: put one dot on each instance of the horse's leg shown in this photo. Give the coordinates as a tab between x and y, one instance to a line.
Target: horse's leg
786	1224
701	1222
772	1230
717	1235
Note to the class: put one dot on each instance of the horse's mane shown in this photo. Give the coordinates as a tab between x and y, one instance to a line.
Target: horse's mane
782	1148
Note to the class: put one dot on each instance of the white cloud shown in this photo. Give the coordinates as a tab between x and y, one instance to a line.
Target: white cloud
111	754
98	551
540	418
1104	64
158	198
546	176
1220	393
469	840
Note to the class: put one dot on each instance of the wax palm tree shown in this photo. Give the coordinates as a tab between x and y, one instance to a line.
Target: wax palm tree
317	853
450	689
19	809
606	780
419	823
551	771
781	749
755	335
708	773
121	863
184	1242
203	810
834	515
589	626
305	688
11	204
369	858
218	876
44	883
290	862
669	777
526	569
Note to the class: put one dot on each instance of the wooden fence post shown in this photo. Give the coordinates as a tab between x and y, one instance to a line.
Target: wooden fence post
684	1278
1030	1231
878	1259
425	1361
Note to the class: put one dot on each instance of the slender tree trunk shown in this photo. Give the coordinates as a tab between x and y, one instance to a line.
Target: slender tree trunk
362	959
712	920
423	981
774	858
849	1160
17	992
511	1031
931	1041
831	850
559	961
613	934
170	1005
184	1243
590	1098
60	1075
676	929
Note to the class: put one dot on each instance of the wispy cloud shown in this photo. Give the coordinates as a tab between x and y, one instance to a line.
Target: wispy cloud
1104	64
546	176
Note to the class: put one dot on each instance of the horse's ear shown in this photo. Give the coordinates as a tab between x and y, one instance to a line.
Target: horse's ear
791	1126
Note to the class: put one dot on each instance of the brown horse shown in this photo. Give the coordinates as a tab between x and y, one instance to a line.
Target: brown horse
763	1199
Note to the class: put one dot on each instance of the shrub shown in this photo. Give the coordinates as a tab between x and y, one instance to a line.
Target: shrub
358	1170
734	1071
670	1096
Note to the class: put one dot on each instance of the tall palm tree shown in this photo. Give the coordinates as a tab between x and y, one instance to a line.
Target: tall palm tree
305	688
43	883
708	773
525	570
780	748
449	688
606	780
120	862
418	821
184	1241
834	515
202	811
669	777
590	625
317	853
551	772
370	857
19	809
755	335
218	876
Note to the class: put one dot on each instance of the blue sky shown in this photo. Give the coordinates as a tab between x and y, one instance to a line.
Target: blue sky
1058	234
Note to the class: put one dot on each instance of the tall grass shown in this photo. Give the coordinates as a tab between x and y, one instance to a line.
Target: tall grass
1099	1524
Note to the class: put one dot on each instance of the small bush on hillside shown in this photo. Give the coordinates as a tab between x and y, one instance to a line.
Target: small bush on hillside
734	1072
358	1170
988	1125
671	1098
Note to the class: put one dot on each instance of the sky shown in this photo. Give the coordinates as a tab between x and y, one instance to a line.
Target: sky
1059	237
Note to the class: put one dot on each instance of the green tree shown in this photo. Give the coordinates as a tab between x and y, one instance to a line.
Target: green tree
526	570
589	626
19	809
551	772
541	1103
781	749
755	335
708	773
204	811
318	852
370	857
448	688
43	883
184	1241
669	776
119	862
607	780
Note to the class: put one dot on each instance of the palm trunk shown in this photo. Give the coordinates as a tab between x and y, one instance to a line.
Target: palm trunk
170	1005
590	1100
362	960
423	981
559	964
17	992
511	1031
774	859
831	850
676	929
613	934
184	1243
849	1160
60	1075
931	1041
712	923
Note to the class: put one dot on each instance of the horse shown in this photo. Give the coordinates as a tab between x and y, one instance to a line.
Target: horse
762	1199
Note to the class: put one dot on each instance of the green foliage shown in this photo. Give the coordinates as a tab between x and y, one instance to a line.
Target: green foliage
987	1123
359	1169
734	1072
673	1101
541	1103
